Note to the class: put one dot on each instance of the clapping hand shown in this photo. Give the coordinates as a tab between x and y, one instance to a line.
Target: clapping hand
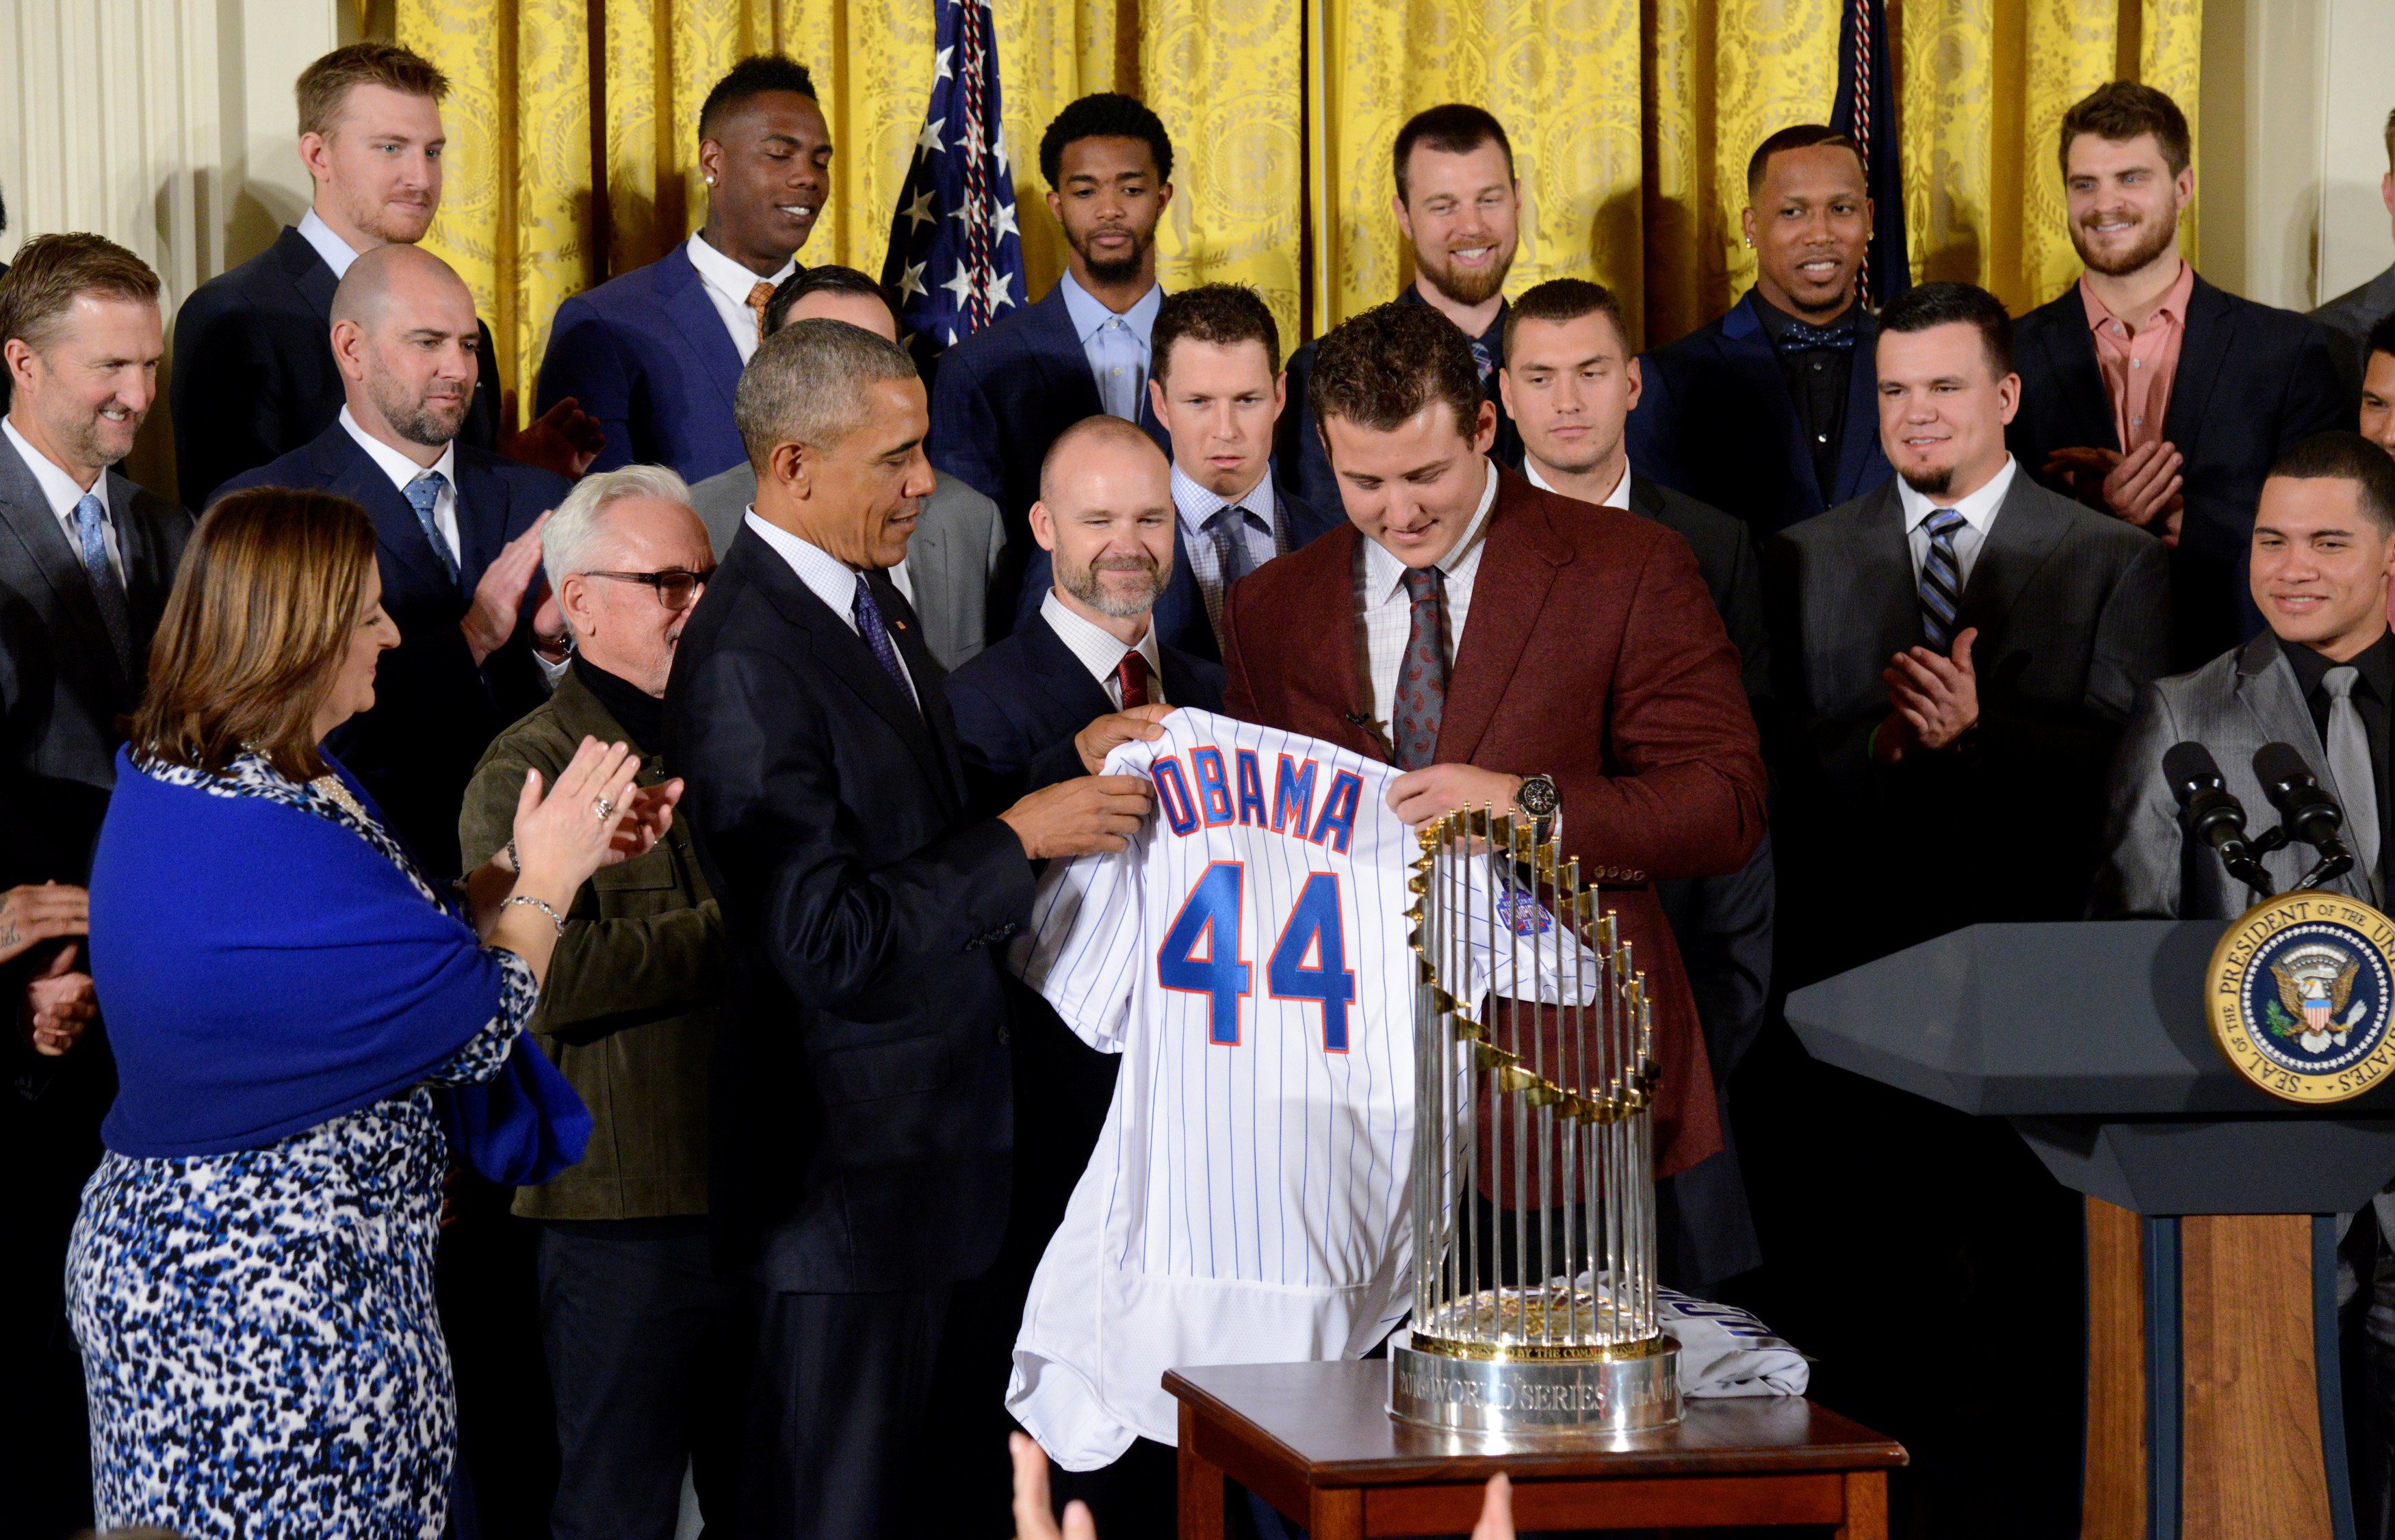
32	914
647	813
2140	486
1935	699
491	619
564	438
58	1005
564	836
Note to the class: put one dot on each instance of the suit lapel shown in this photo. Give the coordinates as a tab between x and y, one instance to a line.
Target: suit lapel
353	475
1315	651
482	518
2070	349
1859	435
1062	675
2204	352
1746	350
309	273
907	635
2027	528
1056	351
1181	609
1516	569
2267	687
29	520
1885	592
147	577
697	325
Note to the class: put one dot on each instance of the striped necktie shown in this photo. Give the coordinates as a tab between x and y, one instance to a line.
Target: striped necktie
1941	580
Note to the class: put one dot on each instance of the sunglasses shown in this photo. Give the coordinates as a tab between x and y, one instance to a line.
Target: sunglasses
676	586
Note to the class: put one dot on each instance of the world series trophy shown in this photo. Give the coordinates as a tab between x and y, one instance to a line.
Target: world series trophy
1533	1190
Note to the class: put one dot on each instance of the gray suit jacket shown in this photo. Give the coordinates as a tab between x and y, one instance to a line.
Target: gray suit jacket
2348	320
950	562
62	685
2232	705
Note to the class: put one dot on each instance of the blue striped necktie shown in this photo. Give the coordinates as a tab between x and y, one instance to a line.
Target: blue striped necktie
91	544
1941	580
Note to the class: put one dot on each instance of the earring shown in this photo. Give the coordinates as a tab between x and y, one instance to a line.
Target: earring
710	182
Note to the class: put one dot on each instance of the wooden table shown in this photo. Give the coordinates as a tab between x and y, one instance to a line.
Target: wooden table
1316	1441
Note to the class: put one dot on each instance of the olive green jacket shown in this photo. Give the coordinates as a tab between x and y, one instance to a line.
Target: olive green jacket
630	1005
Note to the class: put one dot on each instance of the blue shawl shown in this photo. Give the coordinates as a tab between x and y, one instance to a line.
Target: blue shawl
264	970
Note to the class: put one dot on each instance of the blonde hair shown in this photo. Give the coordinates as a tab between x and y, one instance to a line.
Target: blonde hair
326	85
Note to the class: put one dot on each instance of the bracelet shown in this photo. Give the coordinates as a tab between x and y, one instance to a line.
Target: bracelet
554	918
513	864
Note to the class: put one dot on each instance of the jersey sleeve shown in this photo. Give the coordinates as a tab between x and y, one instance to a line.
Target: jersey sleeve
1082	949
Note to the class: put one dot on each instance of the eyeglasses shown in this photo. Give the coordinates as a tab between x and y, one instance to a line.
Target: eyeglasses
676	586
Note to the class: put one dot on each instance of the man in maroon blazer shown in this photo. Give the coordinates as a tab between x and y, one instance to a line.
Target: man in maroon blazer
1478	633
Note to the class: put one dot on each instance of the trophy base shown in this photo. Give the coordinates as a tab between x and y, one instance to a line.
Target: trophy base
1516	1397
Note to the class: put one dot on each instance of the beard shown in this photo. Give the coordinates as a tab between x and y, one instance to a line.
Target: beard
1122	270
85	438
2153	239
1464	288
1931	484
1082	584
418	420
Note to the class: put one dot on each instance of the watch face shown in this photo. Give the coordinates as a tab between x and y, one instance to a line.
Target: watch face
1537	796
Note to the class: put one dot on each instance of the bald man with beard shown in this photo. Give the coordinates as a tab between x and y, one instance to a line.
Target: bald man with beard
457	538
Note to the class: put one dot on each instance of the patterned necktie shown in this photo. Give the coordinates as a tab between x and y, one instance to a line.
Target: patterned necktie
2348	764
1941	580
1422	674
1800	336
90	523
422	494
759	292
869	626
1484	360
1131	678
1228	526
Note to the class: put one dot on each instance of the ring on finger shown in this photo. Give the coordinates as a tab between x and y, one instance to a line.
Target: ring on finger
604	808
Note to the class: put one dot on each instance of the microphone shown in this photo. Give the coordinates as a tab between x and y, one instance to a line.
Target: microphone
2208	811
2305	810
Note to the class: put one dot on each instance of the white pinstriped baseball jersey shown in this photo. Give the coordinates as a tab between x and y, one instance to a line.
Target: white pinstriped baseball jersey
1245	1203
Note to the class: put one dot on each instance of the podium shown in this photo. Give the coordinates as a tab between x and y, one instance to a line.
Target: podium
2214	1401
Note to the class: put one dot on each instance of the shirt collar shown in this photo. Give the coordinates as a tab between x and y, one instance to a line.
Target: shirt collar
1775	321
2171	307
1196	505
729	277
1978	511
1618	498
1101	650
58	487
337	253
399	467
832	580
1089	314
2375	661
1383	572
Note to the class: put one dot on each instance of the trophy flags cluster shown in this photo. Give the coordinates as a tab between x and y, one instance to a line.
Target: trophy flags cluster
1866	112
956	253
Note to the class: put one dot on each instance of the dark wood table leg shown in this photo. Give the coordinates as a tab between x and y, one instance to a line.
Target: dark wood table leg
1201	1486
1866	1505
1338	1513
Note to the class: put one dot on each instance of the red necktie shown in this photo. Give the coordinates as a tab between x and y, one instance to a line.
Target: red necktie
1131	675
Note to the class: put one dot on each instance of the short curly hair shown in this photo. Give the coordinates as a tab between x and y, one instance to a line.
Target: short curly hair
753	76
1106	115
1380	368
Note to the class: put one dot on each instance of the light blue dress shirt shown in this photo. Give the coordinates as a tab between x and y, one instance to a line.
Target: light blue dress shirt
1116	346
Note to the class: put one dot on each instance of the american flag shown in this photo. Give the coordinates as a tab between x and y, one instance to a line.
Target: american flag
956	253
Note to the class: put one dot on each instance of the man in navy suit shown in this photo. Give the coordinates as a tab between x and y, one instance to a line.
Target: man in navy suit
253	376
1769	414
1003	395
655	354
458	541
2150	395
1218	396
1085	671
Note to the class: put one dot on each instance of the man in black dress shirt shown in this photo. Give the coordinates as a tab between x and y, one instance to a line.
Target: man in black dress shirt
1459	205
1767	414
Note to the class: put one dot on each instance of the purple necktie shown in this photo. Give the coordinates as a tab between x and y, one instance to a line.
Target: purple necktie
877	635
1421	675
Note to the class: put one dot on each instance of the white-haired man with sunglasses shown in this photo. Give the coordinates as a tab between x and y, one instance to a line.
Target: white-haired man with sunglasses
636	1326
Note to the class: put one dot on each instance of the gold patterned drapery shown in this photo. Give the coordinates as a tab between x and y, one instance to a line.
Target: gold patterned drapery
1631	121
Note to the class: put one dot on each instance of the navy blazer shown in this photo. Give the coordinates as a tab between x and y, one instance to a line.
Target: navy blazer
1001	396
862	1093
1021	699
1180	611
647	355
434	712
2251	381
254	375
1714	420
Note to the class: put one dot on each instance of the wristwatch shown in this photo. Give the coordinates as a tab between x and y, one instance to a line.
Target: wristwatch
1537	796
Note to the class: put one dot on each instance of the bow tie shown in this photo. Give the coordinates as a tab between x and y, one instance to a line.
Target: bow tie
1799	337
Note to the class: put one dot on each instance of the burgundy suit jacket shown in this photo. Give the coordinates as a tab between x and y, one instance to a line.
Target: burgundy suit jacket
1593	653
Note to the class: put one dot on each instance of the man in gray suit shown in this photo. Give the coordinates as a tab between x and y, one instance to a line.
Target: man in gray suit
1956	653
2321	681
2348	317
86	559
953	555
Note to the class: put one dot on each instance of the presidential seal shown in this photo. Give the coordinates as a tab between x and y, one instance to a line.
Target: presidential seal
2301	994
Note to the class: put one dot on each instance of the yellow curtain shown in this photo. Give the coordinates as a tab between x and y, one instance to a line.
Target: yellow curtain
1631	121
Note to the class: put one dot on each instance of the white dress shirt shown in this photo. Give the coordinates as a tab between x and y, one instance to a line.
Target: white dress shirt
60	490
403	470
1116	346
336	253
831	580
1978	511
728	285
1264	533
1101	650
1618	498
1387	612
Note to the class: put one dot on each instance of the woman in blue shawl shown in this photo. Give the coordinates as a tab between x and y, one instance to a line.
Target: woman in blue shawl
250	1278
